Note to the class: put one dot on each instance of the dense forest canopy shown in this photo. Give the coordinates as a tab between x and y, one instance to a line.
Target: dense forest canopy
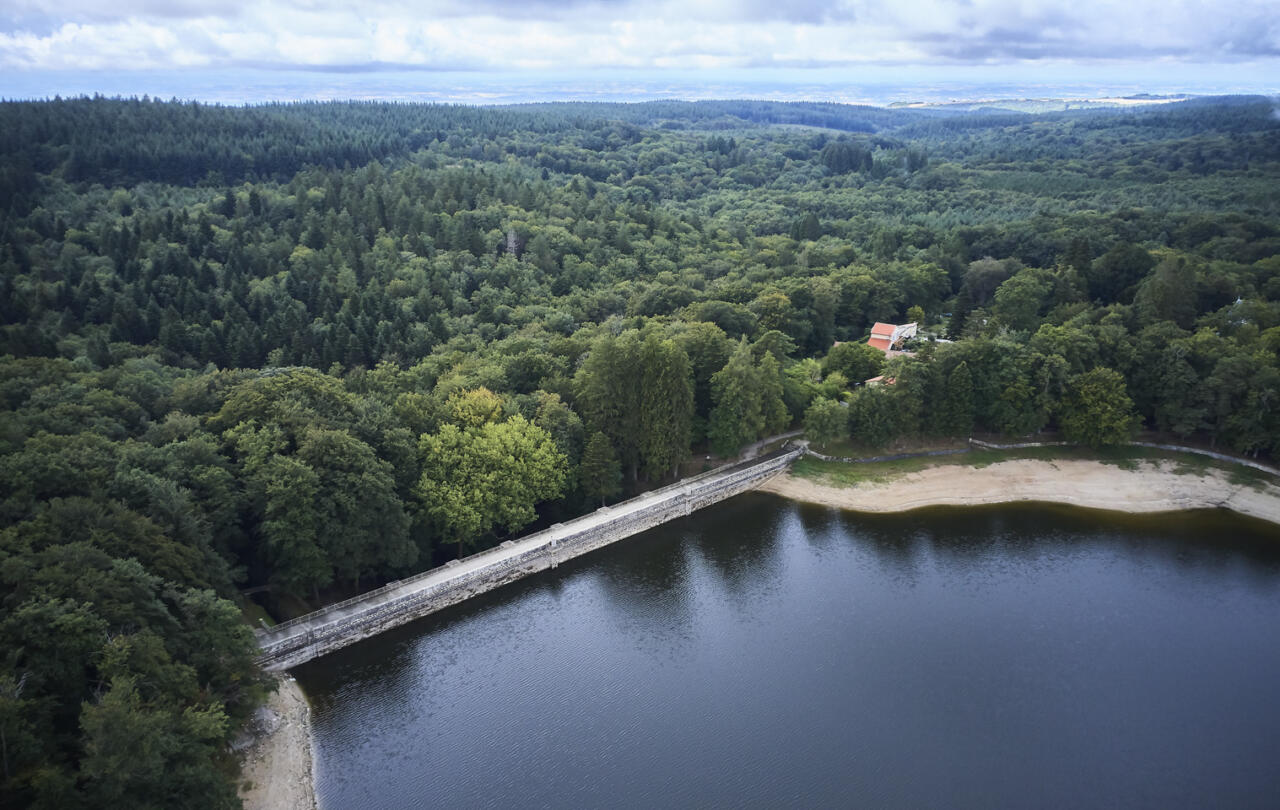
300	349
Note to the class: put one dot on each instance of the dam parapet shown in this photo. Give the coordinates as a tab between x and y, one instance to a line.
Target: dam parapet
300	640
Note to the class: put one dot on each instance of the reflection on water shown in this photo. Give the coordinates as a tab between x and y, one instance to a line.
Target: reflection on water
766	653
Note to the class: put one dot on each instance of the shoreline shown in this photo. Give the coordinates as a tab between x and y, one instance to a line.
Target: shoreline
278	769
1152	487
278	766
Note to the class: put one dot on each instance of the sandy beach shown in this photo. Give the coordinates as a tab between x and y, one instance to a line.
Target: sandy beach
1151	487
277	771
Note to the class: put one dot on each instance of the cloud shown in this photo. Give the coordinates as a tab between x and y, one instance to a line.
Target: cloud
590	34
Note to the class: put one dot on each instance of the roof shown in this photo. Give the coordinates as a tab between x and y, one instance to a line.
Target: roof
880	343
883	329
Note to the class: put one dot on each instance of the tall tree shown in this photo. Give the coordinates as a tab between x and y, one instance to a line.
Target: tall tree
770	387
1168	294
608	394
873	416
601	474
955	412
826	421
1097	410
856	360
738	416
362	527
487	477
1019	299
667	405
708	349
1182	400
1114	275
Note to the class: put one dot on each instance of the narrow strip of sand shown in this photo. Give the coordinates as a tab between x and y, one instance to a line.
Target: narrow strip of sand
1150	487
277	769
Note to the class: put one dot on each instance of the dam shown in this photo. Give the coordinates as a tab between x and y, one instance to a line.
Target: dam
299	640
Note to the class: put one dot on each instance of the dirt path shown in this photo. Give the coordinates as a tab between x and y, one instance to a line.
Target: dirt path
277	772
753	450
1152	487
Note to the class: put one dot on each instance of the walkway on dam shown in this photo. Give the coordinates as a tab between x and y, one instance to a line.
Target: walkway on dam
282	644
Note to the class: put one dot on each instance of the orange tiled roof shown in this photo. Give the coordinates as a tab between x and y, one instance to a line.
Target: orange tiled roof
880	343
885	329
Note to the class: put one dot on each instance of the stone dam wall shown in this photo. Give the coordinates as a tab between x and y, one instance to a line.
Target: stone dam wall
300	640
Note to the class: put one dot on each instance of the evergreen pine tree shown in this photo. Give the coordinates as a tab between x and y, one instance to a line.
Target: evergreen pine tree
956	409
600	472
666	416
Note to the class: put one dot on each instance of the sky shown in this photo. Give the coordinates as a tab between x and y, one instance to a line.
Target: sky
326	47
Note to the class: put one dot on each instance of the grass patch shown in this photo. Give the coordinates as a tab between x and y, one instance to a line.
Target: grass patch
847	448
1190	464
1249	477
844	474
254	614
847	474
985	458
1187	464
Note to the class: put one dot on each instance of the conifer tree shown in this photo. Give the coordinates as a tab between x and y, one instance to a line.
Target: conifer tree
772	405
600	473
738	416
666	416
608	394
956	417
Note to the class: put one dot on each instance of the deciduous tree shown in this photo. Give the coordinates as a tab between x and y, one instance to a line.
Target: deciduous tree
1097	410
488	477
826	421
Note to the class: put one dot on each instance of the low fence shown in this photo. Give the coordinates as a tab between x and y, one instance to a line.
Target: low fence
1172	448
894	457
306	637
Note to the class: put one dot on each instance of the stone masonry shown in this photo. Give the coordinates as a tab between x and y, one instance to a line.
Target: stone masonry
300	640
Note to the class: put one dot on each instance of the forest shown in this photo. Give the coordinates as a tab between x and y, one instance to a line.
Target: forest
299	350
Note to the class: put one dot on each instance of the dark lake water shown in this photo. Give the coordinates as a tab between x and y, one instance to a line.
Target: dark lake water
766	654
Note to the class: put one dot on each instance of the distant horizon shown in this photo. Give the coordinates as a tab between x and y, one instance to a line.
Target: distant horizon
489	52
880	86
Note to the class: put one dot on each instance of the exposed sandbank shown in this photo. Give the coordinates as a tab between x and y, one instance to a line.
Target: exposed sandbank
277	772
1151	487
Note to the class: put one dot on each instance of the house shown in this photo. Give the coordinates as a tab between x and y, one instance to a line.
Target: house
881	380
887	336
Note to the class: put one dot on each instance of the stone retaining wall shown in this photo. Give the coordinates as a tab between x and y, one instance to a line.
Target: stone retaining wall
297	641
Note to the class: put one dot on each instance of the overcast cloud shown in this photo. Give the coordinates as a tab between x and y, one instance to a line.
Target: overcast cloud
574	35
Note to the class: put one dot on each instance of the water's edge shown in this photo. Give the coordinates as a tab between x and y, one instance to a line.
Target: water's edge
1024	488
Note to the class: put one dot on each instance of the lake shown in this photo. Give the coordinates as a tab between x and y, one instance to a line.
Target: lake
765	653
